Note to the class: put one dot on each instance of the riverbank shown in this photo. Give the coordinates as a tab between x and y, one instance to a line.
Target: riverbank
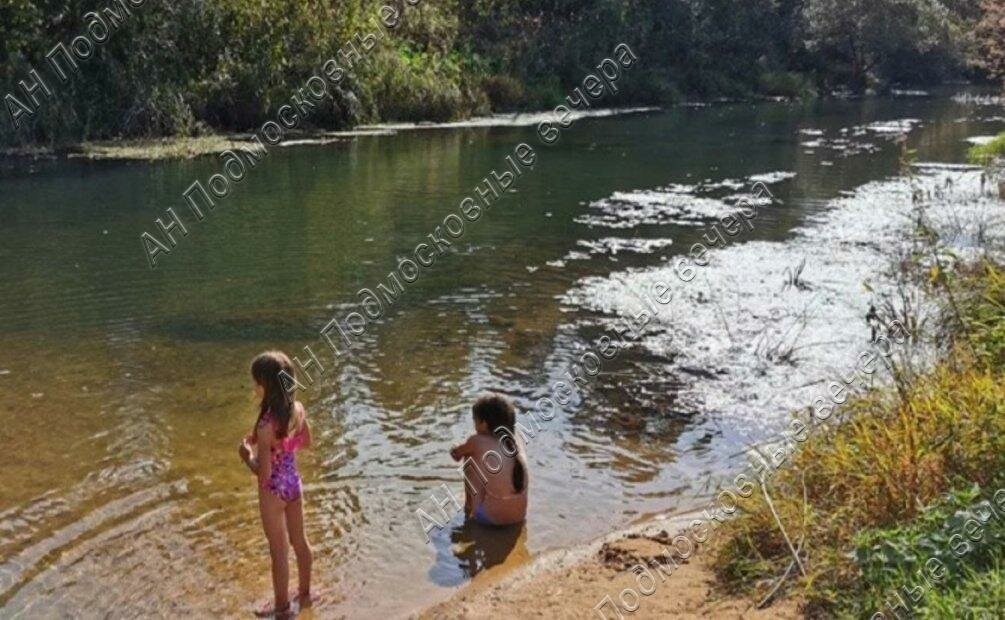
217	65
190	147
864	499
570	583
158	149
900	503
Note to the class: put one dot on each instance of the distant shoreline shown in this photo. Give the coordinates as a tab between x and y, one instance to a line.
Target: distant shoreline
184	147
167	148
190	147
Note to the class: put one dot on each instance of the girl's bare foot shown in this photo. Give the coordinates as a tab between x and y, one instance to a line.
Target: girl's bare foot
304	600
268	610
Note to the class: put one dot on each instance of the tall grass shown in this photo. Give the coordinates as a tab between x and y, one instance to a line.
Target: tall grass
892	459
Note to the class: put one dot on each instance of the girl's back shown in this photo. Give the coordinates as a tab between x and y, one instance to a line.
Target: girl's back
497	498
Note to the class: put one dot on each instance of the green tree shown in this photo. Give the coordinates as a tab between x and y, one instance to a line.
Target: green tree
990	35
871	39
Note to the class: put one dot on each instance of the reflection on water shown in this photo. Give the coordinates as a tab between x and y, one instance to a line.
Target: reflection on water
126	390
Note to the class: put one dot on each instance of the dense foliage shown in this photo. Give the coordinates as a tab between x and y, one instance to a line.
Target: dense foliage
990	37
188	66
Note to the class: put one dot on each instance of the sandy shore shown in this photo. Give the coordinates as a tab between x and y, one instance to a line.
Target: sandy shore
569	583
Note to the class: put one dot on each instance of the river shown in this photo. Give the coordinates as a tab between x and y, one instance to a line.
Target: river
126	388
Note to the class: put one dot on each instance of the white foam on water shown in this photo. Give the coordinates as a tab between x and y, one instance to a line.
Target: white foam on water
980	100
856	140
897	128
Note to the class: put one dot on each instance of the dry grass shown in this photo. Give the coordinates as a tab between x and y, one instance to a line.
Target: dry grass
891	456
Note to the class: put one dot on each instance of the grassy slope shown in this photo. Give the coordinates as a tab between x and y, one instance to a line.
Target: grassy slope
874	497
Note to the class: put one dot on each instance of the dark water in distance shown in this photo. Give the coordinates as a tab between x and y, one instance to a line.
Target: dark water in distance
126	389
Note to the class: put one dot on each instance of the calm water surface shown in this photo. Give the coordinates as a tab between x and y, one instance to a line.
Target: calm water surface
126	389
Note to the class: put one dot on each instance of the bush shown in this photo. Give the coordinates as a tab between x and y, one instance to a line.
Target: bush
986	154
504	92
176	67
416	86
785	84
892	558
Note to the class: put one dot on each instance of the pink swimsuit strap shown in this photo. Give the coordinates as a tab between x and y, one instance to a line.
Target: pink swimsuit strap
288	443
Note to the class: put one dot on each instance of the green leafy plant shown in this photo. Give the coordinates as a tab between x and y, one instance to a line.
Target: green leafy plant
986	154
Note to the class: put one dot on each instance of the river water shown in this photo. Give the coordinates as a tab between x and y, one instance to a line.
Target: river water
126	389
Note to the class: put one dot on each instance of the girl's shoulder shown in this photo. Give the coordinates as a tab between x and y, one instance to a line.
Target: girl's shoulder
482	443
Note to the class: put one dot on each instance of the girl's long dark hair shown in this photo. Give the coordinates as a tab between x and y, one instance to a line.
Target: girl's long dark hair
266	370
499	413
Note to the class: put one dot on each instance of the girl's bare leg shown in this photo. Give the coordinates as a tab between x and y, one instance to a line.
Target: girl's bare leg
302	549
274	523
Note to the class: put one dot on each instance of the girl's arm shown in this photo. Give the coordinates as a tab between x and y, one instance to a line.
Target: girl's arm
464	450
306	442
305	431
264	459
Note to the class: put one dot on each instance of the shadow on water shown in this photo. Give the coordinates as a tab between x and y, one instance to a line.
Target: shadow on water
466	550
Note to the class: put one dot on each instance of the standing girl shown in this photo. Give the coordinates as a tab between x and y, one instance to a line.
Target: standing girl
270	452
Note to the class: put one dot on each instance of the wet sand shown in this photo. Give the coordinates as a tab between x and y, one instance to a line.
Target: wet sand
571	583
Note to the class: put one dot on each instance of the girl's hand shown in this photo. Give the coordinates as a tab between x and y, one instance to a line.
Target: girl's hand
244	451
247	453
463	450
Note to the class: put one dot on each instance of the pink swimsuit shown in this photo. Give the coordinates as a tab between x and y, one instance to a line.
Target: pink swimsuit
284	482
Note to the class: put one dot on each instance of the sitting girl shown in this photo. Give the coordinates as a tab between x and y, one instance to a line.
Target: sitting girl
497	493
280	430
